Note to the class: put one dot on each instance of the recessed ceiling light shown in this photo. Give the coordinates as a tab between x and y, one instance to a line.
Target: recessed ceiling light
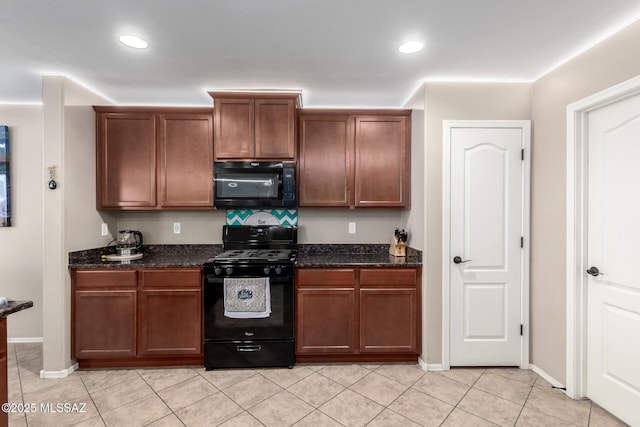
133	41
411	46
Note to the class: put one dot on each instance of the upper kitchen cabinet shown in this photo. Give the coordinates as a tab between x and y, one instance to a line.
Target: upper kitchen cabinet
154	158
326	160
382	166
355	158
255	125
126	159
185	169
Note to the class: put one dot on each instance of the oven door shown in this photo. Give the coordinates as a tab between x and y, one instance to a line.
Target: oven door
278	325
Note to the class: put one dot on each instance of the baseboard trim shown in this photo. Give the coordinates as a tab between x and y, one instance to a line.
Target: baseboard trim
59	374
548	378
436	367
430	366
24	340
423	365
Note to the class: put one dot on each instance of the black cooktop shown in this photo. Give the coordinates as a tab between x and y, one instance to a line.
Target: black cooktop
257	244
255	254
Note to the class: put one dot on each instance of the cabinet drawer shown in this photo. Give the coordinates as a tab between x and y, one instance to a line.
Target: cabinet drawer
106	279
171	278
388	276
326	277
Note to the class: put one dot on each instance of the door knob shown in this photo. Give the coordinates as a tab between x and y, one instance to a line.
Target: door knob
594	271
458	260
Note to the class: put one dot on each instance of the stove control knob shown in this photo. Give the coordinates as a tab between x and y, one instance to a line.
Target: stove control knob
217	271
278	270
228	270
266	270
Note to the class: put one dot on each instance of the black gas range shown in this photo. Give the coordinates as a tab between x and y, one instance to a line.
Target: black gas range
249	298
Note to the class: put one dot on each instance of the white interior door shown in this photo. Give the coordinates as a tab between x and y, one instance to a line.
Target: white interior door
486	243
613	296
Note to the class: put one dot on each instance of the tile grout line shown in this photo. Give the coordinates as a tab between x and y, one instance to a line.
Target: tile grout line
161	399
15	351
525	402
484	371
92	401
239	405
345	389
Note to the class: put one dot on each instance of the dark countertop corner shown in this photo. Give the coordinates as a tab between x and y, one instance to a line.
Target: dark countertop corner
11	307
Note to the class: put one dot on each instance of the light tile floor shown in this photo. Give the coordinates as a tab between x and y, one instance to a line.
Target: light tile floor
307	395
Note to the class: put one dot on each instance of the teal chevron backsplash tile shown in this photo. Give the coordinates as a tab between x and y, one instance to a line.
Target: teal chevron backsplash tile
284	217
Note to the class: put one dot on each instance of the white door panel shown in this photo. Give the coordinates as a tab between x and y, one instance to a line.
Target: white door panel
486	226
482	320
613	298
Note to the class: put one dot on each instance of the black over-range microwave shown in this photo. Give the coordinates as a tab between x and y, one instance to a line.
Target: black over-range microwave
254	184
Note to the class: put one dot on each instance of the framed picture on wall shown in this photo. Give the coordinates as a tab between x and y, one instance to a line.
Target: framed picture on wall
5	187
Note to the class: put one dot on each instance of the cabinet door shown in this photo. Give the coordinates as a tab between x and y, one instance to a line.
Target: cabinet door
126	160
275	129
185	169
104	323
170	322
382	172
234	129
326	310
326	161
388	320
325	320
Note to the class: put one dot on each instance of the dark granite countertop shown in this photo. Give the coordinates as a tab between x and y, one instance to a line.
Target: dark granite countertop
155	256
11	307
309	256
364	255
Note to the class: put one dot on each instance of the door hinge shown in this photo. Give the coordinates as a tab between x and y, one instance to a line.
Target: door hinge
522	242
521	329
522	154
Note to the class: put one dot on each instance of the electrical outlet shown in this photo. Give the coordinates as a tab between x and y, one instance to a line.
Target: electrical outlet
105	229
352	228
176	228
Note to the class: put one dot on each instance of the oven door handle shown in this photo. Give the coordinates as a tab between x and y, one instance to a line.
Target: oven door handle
248	348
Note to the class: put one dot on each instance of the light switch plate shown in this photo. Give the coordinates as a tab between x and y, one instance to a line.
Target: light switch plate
352	228
105	229
176	228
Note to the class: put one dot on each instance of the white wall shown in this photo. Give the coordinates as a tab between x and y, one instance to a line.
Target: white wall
316	225
331	225
196	227
69	211
21	244
611	62
413	219
454	101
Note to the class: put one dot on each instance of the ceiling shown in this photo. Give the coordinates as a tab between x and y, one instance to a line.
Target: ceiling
340	53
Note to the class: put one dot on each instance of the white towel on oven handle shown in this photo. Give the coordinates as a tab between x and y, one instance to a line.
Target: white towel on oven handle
236	308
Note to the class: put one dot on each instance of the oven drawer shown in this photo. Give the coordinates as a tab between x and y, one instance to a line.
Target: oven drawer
248	354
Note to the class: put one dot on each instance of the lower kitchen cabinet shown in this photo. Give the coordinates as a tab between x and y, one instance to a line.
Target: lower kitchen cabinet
325	311
105	323
146	317
170	306
358	314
